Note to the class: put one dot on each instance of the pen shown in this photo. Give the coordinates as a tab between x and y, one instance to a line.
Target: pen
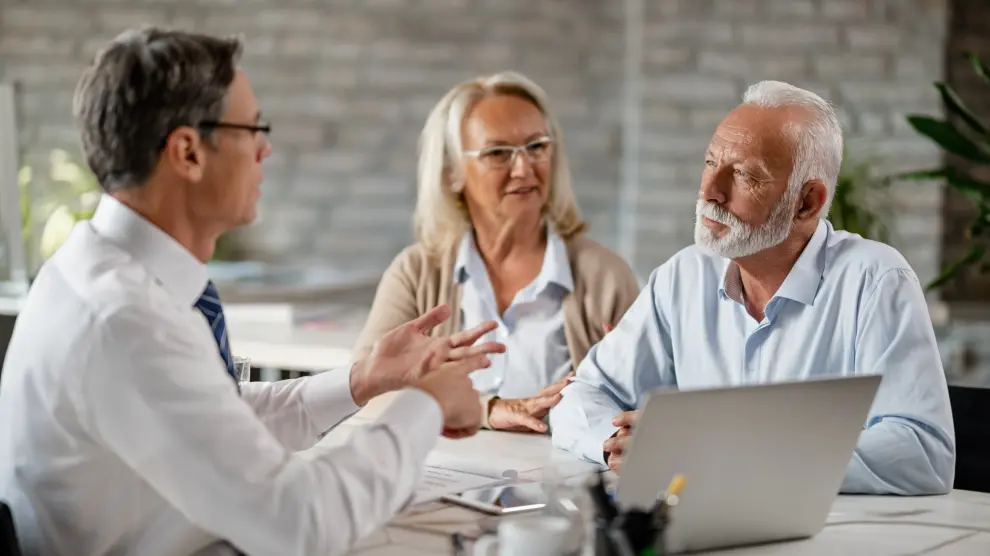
675	486
458	543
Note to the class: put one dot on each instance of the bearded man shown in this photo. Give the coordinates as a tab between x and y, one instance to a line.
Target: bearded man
771	292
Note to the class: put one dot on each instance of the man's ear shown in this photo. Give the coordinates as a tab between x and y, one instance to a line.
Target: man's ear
814	194
184	153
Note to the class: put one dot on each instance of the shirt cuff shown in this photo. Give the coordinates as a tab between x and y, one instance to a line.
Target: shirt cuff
417	415
594	443
327	398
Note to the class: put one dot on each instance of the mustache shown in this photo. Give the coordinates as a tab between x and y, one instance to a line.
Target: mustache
715	212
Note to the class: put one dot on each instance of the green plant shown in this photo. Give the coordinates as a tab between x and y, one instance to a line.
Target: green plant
861	203
962	134
73	194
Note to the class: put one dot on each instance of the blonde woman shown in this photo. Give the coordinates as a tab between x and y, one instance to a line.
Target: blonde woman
499	237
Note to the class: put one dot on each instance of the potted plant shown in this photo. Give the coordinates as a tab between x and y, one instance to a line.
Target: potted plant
861	203
966	136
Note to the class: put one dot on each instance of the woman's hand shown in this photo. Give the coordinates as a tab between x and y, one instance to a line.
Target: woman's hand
526	414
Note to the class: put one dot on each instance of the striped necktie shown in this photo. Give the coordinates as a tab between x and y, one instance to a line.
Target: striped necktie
209	305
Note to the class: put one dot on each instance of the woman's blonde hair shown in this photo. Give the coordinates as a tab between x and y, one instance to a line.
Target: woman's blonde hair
439	219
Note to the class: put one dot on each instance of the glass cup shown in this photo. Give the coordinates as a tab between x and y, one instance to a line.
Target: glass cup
242	367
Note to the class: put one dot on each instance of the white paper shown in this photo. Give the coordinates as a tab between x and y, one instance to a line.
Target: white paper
438	481
493	466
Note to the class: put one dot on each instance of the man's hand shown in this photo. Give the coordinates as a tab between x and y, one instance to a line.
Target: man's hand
616	445
525	414
407	353
453	390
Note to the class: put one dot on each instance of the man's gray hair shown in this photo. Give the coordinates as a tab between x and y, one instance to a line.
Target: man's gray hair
140	88
818	148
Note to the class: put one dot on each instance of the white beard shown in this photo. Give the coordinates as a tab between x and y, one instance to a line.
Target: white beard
742	239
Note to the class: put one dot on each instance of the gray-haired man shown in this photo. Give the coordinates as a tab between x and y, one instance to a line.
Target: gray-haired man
121	431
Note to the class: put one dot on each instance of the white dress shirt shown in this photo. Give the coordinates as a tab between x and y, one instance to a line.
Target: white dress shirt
532	326
122	433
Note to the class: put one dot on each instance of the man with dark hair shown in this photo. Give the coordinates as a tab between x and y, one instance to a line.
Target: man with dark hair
123	429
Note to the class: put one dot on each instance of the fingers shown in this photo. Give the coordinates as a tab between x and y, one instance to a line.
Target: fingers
530	422
480	349
556	387
466	366
624	431
471	335
431	319
456	434
608	327
614	462
625	419
616	444
540	405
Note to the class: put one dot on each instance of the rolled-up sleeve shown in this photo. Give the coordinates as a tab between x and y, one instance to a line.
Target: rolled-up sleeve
908	445
299	411
615	376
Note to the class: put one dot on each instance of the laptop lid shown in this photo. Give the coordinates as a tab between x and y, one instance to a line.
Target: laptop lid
763	463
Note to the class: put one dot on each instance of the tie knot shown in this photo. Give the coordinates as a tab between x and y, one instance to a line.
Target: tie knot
210	298
211	290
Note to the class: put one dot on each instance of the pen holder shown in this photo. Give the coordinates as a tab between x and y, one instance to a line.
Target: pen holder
631	534
628	533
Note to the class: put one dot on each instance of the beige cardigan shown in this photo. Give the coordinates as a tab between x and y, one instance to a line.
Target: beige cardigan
604	287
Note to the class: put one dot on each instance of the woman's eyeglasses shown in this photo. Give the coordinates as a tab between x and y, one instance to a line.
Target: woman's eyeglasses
503	156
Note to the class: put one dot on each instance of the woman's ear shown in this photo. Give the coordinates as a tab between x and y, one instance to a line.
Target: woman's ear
454	178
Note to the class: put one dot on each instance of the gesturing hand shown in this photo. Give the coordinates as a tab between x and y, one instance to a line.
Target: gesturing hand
616	445
525	414
407	353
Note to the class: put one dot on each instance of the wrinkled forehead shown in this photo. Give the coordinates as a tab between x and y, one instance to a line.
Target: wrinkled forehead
768	136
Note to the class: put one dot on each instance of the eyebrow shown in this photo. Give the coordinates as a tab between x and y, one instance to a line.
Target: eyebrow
748	164
529	139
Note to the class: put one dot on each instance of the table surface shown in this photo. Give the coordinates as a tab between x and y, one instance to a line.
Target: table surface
312	347
869	525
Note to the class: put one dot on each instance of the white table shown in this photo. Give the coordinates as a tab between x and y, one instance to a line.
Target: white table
277	346
309	349
873	526
867	525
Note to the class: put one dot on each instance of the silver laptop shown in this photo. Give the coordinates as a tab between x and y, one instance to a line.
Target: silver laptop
763	463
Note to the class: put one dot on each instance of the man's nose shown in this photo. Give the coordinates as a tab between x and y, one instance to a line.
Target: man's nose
710	190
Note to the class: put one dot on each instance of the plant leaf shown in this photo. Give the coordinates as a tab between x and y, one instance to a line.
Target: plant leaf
981	70
975	254
949	138
956	106
973	188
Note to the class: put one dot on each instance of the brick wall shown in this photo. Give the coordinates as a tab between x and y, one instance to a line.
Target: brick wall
349	83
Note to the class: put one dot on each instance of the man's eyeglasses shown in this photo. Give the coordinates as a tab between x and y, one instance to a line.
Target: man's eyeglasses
502	156
214	124
254	128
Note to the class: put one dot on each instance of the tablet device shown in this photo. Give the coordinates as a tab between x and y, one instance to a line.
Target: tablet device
503	499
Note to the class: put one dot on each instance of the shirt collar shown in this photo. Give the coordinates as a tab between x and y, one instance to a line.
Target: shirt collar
556	267
178	271
802	281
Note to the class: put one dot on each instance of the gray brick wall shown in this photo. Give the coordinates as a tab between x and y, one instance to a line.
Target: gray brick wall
875	60
349	83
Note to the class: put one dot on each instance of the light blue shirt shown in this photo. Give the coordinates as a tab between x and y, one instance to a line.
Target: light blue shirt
849	306
532	327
